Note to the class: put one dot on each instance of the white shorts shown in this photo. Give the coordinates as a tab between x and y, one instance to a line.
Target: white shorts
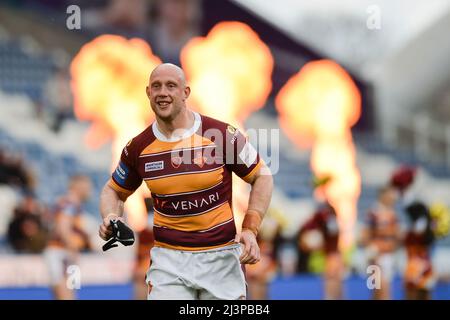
205	275
386	262
57	260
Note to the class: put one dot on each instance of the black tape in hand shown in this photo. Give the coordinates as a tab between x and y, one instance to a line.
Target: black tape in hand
121	233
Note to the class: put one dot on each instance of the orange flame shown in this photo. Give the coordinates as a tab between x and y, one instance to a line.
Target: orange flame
229	72
109	76
317	107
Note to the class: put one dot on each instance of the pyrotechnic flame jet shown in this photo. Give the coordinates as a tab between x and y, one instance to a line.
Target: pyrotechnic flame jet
317	107
229	72
109	76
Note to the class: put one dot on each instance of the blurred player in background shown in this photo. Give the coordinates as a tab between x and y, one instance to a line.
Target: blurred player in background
67	235
187	161
419	276
381	238
145	242
321	232
259	275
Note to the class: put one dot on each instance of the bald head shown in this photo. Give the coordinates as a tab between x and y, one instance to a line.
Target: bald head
167	91
169	69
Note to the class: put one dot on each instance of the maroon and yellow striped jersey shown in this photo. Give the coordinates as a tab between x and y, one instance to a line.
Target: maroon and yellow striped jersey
190	179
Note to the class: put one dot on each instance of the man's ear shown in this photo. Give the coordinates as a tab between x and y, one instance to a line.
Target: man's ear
187	92
147	91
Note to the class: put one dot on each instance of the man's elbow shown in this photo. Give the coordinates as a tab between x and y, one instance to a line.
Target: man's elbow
266	178
269	181
109	191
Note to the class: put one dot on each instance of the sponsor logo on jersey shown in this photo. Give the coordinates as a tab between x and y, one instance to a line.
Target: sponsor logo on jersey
235	136
199	159
154	166
197	203
231	129
121	173
125	150
176	161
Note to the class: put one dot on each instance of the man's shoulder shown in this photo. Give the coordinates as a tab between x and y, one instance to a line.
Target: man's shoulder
209	122
212	123
140	141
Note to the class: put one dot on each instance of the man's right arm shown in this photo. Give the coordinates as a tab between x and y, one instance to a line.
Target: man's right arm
111	208
111	201
123	182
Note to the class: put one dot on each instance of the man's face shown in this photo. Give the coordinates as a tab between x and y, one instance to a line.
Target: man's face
167	93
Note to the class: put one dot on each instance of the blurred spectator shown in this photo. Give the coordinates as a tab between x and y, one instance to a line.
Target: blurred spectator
128	15
176	23
15	173
26	232
68	236
127	18
381	238
58	99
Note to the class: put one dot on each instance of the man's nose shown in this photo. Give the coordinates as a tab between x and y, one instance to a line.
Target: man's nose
163	91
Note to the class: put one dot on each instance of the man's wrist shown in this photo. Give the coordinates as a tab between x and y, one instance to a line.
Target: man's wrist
255	233
113	215
252	221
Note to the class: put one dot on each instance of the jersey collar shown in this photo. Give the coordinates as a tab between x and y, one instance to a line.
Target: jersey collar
160	136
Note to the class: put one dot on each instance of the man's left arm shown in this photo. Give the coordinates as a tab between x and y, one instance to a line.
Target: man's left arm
260	195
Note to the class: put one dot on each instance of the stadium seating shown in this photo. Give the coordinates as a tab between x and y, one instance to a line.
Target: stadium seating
21	72
22	78
53	171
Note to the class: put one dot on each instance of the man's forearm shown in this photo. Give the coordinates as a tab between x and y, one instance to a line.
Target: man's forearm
110	202
261	194
258	203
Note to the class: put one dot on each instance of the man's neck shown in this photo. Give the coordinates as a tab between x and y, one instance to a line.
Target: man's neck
183	121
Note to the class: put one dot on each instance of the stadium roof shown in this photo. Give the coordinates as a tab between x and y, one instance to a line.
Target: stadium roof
338	29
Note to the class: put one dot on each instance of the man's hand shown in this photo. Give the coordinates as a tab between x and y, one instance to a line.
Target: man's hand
251	253
105	230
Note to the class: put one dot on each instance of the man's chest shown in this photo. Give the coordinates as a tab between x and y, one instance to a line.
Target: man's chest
181	170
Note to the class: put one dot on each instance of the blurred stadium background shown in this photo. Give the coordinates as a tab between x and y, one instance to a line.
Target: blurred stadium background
401	69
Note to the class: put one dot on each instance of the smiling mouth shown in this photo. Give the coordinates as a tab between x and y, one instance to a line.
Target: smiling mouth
163	103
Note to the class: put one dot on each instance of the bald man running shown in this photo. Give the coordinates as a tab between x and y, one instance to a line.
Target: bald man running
186	160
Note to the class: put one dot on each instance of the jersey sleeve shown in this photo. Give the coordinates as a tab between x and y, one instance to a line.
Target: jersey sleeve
125	177
240	156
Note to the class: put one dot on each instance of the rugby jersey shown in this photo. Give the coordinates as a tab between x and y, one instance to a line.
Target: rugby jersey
190	180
